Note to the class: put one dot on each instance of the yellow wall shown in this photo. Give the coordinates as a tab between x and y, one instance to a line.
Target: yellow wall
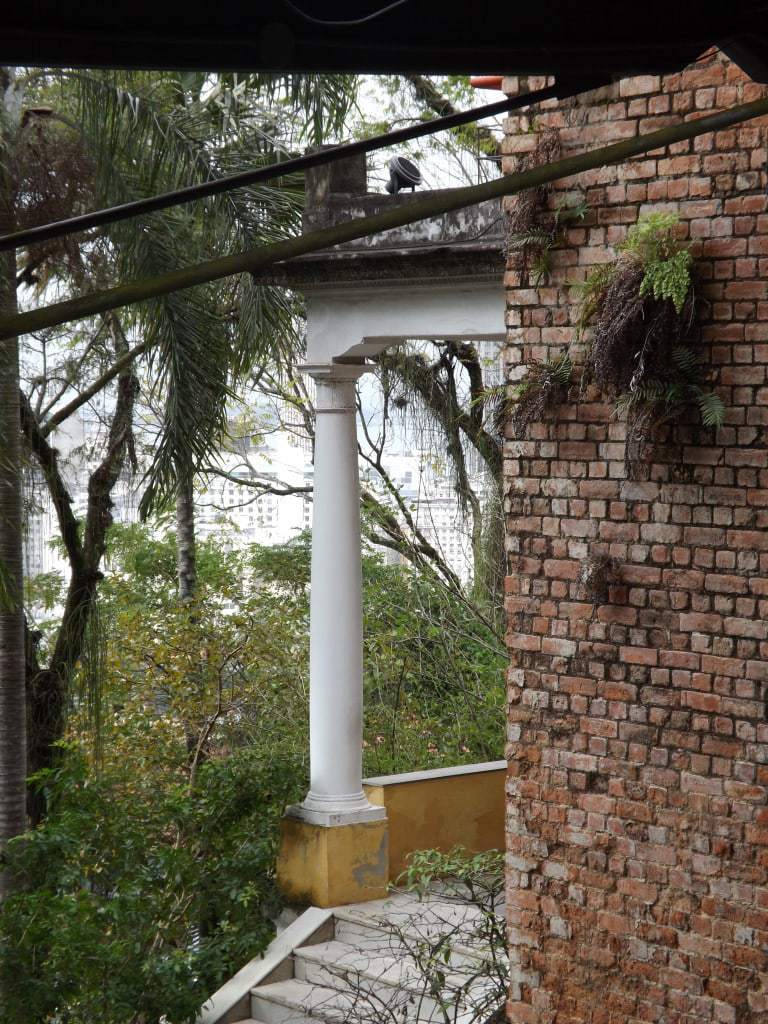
326	866
441	809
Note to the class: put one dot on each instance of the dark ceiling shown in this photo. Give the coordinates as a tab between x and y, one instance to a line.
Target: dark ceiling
570	38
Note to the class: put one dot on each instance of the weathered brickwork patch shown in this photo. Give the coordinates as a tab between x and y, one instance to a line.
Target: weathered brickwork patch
638	734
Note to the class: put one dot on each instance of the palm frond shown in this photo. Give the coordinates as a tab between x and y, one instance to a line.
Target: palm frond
147	136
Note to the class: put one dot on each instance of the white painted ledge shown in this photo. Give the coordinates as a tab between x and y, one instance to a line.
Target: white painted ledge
232	1001
436	773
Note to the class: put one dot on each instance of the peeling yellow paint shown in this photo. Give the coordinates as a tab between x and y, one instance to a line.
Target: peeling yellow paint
327	866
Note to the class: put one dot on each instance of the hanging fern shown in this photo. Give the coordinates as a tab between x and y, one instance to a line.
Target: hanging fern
543	387
533	231
669	279
642	307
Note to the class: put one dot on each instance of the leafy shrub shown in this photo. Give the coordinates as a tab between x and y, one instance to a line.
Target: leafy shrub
135	902
151	881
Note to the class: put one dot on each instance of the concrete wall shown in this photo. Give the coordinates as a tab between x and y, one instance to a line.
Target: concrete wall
637	827
440	809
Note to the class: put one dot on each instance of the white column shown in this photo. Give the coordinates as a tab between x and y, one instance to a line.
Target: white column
336	610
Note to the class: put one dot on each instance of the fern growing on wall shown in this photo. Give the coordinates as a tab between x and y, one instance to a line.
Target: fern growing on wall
642	305
543	387
533	230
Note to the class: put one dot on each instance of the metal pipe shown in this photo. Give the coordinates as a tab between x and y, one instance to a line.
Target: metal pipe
431	205
112	214
486	81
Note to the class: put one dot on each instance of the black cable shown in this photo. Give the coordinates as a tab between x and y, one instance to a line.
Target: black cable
344	24
302	163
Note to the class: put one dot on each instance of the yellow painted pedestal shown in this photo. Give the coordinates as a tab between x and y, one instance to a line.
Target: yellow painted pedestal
328	866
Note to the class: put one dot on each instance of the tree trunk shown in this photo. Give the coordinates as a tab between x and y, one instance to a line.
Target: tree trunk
49	687
13	758
186	561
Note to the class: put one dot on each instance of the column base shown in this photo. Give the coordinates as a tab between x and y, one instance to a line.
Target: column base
331	813
330	865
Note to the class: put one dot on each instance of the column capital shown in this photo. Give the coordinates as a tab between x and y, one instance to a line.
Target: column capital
335	385
335	372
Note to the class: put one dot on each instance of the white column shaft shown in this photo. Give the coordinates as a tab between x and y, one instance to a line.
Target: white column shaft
336	614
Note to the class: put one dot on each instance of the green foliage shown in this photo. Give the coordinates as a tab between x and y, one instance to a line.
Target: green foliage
142	133
540	390
152	879
433	675
539	233
666	262
643	305
668	396
433	671
651	239
44	590
591	292
139	899
669	279
428	866
554	372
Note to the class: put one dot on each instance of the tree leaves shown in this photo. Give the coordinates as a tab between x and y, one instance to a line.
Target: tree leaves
148	133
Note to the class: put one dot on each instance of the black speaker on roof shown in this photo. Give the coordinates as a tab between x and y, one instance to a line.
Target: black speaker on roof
403	173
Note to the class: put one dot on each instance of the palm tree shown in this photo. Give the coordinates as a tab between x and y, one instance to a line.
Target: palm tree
144	133
12	707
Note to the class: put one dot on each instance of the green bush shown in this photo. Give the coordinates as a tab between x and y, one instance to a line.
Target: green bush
135	904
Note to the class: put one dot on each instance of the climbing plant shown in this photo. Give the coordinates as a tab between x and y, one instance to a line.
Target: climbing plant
533	229
642	305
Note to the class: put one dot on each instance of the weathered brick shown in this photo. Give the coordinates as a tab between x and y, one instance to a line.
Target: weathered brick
640	752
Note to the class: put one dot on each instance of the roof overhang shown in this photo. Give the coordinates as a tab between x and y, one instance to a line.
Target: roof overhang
547	37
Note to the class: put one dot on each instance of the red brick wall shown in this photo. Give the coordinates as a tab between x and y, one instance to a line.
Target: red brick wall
638	737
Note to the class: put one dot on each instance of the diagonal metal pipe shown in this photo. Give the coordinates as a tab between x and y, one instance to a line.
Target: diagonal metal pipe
425	207
190	193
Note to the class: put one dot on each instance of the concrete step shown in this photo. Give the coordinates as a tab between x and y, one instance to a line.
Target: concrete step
429	916
300	1002
303	1002
383	982
369	936
324	962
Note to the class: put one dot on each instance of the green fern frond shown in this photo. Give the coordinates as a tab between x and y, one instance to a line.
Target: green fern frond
652	239
711	408
564	213
684	359
543	376
591	293
533	239
541	269
561	370
668	279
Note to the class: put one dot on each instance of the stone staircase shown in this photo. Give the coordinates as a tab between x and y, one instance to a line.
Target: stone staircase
392	961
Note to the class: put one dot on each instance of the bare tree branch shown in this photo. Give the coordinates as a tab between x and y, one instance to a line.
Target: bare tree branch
98	385
425	91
